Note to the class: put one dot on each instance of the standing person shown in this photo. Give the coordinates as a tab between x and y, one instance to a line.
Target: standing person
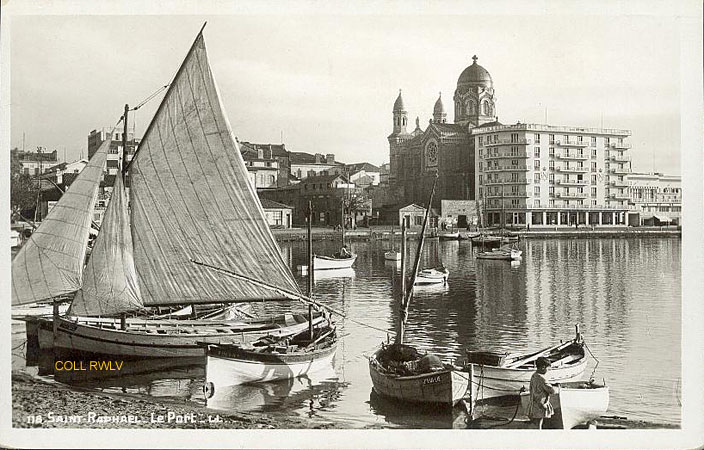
540	390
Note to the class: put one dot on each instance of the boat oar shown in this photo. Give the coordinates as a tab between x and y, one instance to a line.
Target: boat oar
285	292
535	356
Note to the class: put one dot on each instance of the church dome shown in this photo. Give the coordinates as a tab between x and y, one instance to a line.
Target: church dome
439	107
398	104
475	75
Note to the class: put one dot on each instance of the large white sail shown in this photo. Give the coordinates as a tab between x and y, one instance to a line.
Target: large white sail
110	281
190	198
50	263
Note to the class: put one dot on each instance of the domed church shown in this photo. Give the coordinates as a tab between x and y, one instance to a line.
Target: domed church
443	148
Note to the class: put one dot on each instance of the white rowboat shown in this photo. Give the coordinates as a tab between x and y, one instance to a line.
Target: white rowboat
330	262
575	403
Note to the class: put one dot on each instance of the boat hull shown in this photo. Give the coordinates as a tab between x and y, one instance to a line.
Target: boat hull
499	381
226	368
326	262
442	387
392	256
447	236
431	276
172	339
576	403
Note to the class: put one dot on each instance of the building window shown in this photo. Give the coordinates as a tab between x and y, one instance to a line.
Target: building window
536	203
551	190
551	138
593	141
607	141
480	165
552	178
536	164
536	152
480	179
593	153
514	137
536	190
480	140
593	202
593	179
514	150
552	164
536	178
514	203
536	136
481	152
551	202
579	139
481	192
514	177
593	166
593	192
552	151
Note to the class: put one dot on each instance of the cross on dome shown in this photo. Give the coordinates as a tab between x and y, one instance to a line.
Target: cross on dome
474	58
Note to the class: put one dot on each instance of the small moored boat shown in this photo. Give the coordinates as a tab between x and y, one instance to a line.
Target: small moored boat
448	235
575	403
333	262
500	374
437	275
505	253
270	358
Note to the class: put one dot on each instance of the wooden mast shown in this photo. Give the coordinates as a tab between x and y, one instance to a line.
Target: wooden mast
123	170
310	267
401	322
407	296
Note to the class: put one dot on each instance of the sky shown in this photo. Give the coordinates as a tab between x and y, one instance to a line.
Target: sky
324	80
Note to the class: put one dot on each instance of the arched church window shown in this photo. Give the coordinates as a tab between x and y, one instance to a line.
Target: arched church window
404	121
486	109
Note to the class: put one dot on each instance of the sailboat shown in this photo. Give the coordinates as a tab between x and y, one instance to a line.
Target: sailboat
400	371
272	358
393	254
340	260
192	215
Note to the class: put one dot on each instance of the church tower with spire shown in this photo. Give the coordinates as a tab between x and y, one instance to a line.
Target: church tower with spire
397	137
439	114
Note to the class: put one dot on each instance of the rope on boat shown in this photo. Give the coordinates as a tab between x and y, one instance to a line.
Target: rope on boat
146	100
21	344
591	377
287	293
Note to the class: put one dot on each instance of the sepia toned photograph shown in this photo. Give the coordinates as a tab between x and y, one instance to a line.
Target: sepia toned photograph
406	224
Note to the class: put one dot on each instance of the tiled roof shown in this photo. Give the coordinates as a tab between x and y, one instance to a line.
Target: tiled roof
356	167
322	178
490	124
270	204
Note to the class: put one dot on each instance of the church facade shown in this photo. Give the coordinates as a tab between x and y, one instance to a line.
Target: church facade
445	149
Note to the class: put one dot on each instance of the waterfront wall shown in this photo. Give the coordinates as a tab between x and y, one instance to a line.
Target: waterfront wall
384	233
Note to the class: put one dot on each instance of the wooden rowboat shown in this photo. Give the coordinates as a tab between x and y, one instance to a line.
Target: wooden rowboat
498	374
149	338
408	381
270	359
331	262
575	403
436	275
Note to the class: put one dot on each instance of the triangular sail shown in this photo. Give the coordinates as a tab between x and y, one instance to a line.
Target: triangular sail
190	199
50	263
110	281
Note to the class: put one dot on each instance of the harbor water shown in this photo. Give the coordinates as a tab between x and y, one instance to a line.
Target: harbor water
624	293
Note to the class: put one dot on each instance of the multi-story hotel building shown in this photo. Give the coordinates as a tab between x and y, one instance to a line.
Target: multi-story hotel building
543	175
658	197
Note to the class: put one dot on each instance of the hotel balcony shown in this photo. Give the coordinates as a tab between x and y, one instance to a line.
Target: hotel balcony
572	182
620	158
508	195
520	141
620	170
571	156
623	183
621	145
519	156
623	196
571	195
507	169
570	143
571	169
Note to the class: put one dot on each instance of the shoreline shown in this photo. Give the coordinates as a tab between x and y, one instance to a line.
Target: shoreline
62	406
93	409
384	233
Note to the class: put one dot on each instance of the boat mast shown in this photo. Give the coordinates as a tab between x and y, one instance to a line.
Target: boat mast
401	322
342	220
123	169
310	267
409	295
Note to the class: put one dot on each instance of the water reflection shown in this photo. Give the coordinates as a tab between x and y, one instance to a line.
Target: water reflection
625	293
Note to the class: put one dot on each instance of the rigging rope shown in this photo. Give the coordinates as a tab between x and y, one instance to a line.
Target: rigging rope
591	377
287	293
146	100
